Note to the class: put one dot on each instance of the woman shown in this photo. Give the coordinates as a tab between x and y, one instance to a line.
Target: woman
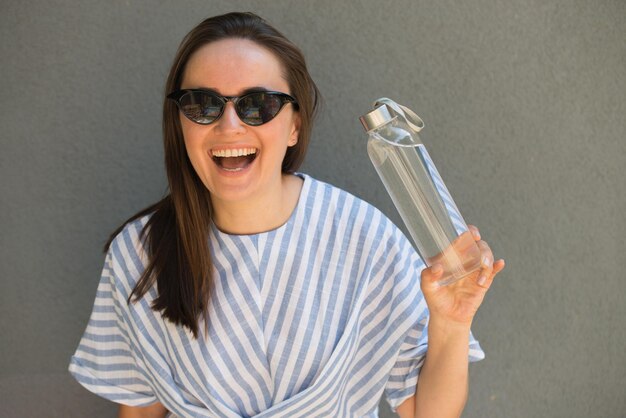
253	290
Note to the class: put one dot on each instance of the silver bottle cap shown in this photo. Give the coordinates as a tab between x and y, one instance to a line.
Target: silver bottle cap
376	118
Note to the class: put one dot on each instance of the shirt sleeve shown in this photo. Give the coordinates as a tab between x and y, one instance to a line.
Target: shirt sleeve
404	374
104	362
403	378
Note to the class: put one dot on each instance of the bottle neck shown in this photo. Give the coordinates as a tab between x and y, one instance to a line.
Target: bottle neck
396	132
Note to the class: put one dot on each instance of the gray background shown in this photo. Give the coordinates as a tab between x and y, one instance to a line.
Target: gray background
524	104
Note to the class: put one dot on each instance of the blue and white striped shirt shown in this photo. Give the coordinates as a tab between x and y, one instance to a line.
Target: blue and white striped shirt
317	318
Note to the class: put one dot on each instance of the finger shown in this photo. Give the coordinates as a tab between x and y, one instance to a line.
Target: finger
462	243
498	266
432	274
485	277
486	256
475	232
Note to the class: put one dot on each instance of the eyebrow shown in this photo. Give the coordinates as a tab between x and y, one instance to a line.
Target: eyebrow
245	91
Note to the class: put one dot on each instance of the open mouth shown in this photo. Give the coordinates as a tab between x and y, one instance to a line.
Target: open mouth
234	159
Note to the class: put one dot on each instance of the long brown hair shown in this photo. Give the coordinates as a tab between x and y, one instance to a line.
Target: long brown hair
176	234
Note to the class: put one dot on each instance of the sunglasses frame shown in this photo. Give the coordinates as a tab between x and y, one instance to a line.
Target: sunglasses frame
284	99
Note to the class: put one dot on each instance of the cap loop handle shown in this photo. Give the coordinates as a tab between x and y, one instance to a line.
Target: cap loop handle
414	121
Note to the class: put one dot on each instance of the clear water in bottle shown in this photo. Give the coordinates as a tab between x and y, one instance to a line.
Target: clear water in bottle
423	201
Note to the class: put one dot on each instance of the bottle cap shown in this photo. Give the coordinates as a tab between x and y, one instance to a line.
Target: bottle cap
385	110
376	118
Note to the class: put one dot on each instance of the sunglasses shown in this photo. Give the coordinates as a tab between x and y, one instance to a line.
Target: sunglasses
205	106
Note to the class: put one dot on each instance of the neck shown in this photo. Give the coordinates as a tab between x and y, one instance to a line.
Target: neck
259	213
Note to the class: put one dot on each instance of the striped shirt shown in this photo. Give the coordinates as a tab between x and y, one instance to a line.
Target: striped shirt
320	317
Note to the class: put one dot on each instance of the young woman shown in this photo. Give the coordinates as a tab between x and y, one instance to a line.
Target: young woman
254	290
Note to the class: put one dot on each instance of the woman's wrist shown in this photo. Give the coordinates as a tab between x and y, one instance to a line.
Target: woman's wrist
443	331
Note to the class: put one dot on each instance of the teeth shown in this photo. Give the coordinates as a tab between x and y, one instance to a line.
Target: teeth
241	152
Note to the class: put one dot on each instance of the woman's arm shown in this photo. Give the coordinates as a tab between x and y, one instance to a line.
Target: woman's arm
442	387
443	381
156	410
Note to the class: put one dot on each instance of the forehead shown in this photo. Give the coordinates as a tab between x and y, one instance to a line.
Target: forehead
231	66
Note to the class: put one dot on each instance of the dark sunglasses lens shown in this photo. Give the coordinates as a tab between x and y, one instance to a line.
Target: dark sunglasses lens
258	108
201	107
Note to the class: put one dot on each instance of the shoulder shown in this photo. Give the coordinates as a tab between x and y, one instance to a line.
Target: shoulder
129	238
377	254
126	256
337	198
354	220
340	205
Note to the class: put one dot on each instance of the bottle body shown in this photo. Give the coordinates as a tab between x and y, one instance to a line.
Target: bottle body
434	222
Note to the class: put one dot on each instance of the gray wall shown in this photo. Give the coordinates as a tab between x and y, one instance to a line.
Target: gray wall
524	104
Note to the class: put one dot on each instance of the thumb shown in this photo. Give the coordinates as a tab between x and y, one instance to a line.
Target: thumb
431	274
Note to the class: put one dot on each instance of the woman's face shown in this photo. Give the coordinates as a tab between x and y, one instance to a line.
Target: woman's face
231	67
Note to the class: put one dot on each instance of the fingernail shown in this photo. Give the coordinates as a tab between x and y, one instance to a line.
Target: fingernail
436	268
482	280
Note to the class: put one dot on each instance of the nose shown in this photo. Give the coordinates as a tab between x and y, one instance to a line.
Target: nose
229	121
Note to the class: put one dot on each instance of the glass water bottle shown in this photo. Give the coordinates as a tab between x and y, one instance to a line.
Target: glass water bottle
418	192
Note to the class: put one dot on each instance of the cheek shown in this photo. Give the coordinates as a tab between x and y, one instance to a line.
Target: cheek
188	140
289	130
192	136
194	149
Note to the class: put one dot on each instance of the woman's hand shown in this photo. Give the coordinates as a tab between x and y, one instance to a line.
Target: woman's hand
458	302
443	381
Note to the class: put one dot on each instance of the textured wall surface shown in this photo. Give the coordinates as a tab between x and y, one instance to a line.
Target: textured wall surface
524	104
